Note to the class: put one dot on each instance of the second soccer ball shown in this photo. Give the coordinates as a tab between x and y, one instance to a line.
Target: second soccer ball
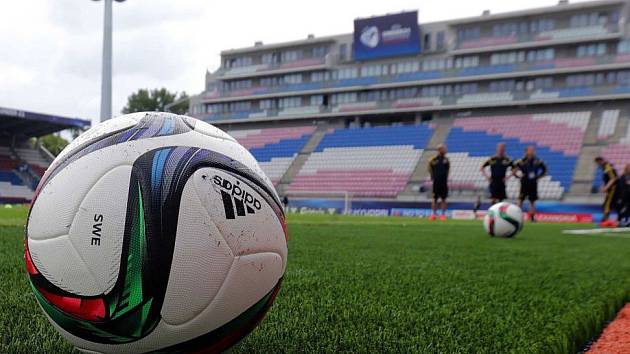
503	220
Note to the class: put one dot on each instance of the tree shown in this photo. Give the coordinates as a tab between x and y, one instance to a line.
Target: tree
145	100
53	143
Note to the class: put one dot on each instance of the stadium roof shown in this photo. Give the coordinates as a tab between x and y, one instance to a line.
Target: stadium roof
19	123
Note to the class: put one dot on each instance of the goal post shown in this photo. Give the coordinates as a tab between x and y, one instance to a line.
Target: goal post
345	195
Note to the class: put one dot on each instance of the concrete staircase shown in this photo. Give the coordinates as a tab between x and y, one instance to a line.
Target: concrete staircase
622	127
584	171
590	137
301	158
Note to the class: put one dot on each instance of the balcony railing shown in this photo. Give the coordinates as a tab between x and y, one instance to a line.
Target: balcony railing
306	62
406	104
557	34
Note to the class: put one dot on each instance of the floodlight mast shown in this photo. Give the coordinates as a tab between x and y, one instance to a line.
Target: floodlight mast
106	73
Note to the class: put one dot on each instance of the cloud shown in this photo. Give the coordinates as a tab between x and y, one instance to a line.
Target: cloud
51	49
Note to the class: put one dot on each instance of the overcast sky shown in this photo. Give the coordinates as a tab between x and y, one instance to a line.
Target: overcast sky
50	51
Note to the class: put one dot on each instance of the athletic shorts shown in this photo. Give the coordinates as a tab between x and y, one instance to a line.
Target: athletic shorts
440	190
529	191
497	190
611	201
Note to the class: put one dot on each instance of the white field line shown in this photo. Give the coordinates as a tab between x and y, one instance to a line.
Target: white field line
622	232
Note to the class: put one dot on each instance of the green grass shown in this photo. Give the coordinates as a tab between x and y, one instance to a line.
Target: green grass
13	215
360	284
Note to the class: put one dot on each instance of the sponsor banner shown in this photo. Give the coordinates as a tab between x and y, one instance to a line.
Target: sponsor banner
576	218
547	211
464	215
386	36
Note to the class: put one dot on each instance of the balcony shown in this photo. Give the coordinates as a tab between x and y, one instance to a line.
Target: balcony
451	75
267	69
557	35
435	103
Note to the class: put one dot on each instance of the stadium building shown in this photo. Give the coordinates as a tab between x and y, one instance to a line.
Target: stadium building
22	165
362	113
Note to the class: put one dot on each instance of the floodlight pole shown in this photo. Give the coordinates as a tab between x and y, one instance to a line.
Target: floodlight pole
106	75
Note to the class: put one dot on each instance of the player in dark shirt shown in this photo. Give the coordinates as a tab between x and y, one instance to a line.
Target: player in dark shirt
624	201
439	169
499	165
609	178
531	169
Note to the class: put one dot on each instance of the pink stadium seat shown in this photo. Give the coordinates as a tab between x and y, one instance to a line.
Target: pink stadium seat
274	148
363	162
557	136
618	155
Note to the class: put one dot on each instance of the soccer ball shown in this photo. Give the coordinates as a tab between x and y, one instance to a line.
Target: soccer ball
503	220
155	232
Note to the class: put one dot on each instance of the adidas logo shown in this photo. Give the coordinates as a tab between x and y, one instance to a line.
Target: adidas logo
236	199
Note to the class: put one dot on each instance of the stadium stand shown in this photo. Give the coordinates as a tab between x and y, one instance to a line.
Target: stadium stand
11	185
618	153
34	158
558	138
21	166
274	148
369	161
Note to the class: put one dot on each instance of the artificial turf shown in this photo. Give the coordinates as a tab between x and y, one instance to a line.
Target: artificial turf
367	284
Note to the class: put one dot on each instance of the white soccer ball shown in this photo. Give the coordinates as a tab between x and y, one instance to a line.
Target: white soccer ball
155	232
503	220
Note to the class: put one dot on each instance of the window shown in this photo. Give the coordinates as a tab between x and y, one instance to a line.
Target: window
373	70
346	97
407	92
593	19
465	89
343	51
236	85
267	104
270	81
439	40
611	78
317	100
291	55
427	41
502	86
467	62
318	76
405	67
319	52
524	27
623	46
242	106
346	73
466	34
590	50
520	85
540	55
437	64
238	62
289	102
267	58
292	79
507	58
445	90
588	80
